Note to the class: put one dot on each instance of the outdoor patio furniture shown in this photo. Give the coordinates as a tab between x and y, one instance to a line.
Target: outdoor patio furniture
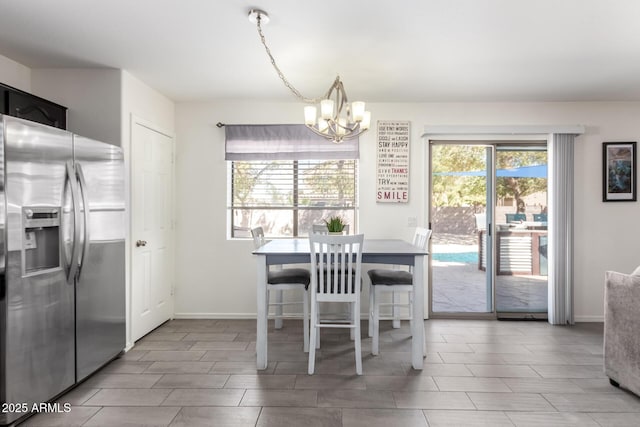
517	217
481	221
541	217
518	251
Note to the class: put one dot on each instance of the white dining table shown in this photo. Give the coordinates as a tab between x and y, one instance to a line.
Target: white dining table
374	251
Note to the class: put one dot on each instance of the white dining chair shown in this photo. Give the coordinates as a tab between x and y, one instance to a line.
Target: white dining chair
286	279
322	229
392	281
336	261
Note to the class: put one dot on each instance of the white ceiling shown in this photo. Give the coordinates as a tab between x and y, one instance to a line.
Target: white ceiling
384	51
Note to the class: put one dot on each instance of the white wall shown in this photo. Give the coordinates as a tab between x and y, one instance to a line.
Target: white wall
92	95
216	276
15	74
142	100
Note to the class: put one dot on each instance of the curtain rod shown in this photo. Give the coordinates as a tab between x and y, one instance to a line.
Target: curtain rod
221	125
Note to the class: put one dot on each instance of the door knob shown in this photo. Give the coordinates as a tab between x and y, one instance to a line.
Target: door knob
141	243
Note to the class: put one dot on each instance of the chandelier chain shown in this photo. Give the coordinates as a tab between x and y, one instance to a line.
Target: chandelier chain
295	91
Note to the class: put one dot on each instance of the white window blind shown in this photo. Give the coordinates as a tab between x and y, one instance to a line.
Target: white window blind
288	188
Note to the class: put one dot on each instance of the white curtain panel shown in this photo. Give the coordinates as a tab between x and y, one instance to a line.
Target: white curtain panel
560	250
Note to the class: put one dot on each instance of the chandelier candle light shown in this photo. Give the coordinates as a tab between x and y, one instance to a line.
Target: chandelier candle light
338	120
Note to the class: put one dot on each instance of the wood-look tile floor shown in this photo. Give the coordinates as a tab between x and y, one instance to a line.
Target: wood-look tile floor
476	373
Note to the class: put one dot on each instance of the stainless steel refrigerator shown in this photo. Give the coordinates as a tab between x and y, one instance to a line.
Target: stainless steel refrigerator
62	274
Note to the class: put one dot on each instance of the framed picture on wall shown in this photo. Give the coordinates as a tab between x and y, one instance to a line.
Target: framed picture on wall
619	172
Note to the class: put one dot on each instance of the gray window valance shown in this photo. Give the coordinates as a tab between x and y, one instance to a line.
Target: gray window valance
284	142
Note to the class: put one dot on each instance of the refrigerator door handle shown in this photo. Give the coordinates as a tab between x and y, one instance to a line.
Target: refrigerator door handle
85	204
75	245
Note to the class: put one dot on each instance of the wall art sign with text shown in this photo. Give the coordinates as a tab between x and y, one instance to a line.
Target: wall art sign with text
393	161
619	172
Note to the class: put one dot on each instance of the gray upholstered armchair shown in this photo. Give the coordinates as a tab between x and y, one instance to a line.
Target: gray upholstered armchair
622	329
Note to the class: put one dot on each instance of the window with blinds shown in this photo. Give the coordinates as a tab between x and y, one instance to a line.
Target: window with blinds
285	197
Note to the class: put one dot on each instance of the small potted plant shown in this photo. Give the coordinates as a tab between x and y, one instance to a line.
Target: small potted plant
335	225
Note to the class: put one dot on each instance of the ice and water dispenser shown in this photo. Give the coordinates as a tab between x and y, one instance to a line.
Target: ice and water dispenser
41	238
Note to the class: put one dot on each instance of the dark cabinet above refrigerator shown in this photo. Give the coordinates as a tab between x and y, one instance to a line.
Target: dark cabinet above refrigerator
26	106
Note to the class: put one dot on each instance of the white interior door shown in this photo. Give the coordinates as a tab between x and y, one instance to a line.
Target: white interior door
151	233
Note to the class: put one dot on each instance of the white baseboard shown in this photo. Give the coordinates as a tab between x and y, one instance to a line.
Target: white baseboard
214	316
580	319
363	316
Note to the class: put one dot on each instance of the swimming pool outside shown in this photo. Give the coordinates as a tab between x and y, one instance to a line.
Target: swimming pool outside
461	257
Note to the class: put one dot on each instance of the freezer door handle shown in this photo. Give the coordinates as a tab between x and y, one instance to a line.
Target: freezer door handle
75	245
85	204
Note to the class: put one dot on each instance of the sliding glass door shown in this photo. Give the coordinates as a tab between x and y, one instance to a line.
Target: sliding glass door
521	231
461	209
488	216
